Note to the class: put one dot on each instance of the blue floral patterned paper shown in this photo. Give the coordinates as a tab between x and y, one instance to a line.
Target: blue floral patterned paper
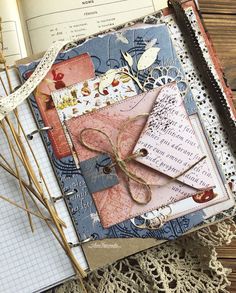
106	53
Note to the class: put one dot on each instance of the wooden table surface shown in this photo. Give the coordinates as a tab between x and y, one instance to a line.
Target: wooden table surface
220	20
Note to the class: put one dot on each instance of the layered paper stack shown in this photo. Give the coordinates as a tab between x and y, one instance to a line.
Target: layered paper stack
131	136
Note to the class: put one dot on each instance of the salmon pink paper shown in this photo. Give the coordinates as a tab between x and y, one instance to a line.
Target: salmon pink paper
115	204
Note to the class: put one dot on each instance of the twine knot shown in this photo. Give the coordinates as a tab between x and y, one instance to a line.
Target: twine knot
122	162
118	160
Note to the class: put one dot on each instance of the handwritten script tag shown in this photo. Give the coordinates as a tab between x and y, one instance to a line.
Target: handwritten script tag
170	141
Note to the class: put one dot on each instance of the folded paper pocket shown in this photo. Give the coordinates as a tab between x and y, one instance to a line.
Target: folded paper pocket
116	131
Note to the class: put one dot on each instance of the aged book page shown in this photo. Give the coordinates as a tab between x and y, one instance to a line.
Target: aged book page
14	46
45	22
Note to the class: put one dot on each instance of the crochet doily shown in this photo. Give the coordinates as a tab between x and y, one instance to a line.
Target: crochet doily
189	264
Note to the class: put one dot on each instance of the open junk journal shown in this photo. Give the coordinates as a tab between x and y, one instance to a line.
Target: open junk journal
128	145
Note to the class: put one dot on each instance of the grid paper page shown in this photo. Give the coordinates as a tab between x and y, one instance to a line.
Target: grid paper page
30	261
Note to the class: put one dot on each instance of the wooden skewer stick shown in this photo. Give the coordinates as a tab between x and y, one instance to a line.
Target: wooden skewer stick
30	190
24	157
47	220
4	87
49	226
19	157
60	242
22	208
8	78
38	167
35	159
16	113
11	171
28	187
74	261
18	173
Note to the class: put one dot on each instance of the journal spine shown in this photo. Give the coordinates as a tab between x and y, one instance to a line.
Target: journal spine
205	72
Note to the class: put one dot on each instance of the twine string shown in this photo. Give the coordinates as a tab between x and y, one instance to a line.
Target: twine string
122	163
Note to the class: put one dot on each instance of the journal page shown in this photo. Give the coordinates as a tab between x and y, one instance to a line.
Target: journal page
48	21
13	41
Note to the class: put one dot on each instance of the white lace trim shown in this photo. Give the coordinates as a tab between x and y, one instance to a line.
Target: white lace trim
10	102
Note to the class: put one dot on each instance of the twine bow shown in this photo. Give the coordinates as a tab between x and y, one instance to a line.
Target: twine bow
117	157
122	162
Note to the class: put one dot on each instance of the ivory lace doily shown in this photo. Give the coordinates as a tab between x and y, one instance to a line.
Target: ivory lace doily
189	264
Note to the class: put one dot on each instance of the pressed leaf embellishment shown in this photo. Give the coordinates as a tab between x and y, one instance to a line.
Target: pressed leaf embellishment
106	80
150	44
122	38
128	58
148	58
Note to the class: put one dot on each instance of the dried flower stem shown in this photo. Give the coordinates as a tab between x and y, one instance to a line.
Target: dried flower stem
37	164
17	172
3	85
30	190
22	208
